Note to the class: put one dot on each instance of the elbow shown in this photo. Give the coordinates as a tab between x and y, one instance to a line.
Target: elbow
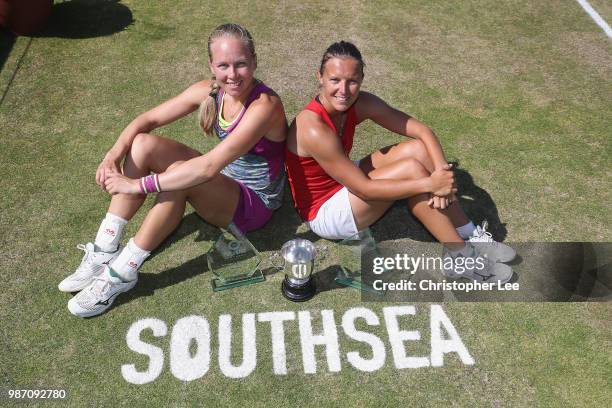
427	133
144	123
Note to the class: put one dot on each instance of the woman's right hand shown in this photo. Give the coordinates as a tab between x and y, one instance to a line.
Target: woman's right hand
109	165
441	203
443	182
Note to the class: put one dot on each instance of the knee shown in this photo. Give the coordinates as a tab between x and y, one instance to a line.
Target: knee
143	146
413	169
420	152
415	149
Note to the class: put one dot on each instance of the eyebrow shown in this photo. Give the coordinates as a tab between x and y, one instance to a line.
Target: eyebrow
239	61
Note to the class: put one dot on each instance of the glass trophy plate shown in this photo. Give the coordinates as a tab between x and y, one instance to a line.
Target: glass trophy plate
233	261
349	253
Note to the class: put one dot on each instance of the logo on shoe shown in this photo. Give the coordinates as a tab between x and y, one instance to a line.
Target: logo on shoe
104	302
132	264
110	232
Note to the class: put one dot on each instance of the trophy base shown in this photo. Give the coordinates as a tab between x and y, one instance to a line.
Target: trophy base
300	293
219	284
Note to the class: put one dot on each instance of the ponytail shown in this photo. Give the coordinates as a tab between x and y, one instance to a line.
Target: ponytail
208	109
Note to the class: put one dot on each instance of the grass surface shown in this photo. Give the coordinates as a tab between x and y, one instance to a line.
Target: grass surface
518	91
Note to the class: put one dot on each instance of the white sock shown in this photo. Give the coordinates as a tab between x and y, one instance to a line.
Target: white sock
465	231
129	260
110	233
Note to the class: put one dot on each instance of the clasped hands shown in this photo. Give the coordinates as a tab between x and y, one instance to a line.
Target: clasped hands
443	188
110	179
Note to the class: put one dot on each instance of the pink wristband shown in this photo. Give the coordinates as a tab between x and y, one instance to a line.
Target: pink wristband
149	184
142	186
156	180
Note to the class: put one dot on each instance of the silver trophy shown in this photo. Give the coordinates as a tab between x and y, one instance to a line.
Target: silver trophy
298	257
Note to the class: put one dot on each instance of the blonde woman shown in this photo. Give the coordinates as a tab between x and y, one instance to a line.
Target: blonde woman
239	181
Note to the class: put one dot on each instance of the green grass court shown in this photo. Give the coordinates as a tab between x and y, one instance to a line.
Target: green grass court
518	91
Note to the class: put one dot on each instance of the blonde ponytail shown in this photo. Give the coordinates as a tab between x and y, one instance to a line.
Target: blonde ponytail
208	109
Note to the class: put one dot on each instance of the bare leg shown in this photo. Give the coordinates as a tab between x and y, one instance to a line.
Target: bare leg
149	153
413	149
436	222
215	201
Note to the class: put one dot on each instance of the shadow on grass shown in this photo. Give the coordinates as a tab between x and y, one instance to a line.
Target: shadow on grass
191	223
281	228
324	280
478	205
148	283
72	19
7	40
87	19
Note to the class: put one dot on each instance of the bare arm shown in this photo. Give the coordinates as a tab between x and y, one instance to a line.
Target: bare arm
169	111
321	143
372	107
259	118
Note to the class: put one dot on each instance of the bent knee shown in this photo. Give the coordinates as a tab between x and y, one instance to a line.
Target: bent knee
143	145
413	169
412	149
403	169
415	149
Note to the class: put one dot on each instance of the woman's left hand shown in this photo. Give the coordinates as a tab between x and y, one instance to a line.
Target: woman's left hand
117	183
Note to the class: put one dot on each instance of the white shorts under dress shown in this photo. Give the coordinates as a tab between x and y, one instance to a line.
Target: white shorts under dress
335	218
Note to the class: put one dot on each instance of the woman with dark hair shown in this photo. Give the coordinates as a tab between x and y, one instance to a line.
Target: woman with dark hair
337	197
240	181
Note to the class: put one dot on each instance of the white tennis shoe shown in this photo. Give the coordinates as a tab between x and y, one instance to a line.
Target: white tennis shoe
92	265
485	244
98	296
477	267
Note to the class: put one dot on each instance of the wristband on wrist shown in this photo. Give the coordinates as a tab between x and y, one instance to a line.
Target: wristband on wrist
150	184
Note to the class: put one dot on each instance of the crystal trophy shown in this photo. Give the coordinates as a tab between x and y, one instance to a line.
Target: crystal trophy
349	253
233	260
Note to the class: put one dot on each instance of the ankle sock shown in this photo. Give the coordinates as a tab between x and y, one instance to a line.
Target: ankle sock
110	233
465	231
129	260
112	275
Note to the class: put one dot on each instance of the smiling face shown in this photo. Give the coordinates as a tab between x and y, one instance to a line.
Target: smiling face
340	83
233	65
